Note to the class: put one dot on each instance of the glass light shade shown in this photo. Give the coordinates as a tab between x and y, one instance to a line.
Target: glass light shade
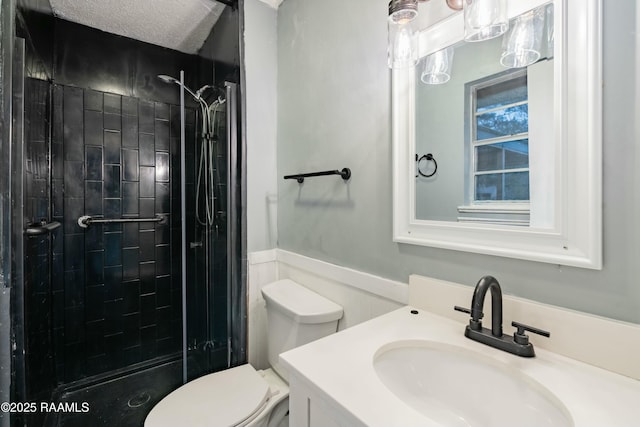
484	19
437	67
522	44
403	45
550	34
402	49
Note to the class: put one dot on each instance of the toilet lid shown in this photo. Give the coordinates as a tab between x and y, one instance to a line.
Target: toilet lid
225	398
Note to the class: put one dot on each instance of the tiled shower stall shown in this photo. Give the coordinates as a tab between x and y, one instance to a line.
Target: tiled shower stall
100	315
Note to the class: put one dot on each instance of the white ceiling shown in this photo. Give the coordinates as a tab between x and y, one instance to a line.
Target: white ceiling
176	24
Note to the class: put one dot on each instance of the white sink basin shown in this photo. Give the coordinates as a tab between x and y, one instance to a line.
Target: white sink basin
456	387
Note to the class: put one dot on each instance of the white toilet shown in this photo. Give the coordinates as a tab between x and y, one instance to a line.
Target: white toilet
242	396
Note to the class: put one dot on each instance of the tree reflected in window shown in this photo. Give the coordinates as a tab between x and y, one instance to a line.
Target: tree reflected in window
499	144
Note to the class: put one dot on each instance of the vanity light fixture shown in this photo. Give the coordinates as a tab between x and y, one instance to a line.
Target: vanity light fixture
483	20
402	50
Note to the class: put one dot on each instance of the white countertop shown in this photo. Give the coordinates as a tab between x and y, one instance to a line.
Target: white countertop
341	368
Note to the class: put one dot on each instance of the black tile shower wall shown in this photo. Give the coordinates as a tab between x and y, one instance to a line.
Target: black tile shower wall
73	54
115	301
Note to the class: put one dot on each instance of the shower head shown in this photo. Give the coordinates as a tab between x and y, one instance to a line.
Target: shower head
169	79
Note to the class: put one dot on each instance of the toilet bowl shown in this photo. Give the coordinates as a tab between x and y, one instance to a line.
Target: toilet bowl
243	396
239	396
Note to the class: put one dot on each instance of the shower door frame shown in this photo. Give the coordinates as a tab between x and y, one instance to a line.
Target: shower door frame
235	231
7	26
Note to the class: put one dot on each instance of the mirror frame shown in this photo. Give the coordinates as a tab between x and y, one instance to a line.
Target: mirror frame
576	239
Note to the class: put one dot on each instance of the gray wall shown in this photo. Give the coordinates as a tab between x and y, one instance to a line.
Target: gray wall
334	111
260	59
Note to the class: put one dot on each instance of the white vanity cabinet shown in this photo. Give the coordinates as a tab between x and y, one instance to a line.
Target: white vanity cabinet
312	408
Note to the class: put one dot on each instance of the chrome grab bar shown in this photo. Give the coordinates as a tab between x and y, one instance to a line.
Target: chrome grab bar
86	220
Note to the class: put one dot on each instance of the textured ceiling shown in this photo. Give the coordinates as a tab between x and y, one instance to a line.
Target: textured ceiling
176	24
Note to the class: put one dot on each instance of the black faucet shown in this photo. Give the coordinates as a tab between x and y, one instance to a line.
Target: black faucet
487	283
518	344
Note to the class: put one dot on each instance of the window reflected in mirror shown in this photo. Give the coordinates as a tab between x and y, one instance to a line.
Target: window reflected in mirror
499	138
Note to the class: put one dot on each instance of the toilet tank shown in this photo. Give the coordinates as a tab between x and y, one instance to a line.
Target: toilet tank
296	316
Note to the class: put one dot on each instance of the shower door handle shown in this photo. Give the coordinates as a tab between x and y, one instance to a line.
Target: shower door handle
40	228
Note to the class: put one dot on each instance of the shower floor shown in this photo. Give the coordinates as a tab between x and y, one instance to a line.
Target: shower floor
123	401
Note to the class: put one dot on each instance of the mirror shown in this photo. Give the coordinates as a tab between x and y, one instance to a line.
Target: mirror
486	127
503	161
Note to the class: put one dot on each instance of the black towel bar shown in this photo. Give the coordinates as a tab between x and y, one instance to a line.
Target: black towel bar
345	173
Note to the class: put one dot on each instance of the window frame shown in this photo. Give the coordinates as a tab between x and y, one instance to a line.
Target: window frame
499	207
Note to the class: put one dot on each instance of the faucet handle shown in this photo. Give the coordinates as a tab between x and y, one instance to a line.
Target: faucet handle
462	309
465	310
521	338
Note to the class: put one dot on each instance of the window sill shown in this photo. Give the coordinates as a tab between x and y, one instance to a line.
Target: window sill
496	213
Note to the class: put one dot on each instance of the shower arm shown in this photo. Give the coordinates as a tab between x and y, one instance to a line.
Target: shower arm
196	97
